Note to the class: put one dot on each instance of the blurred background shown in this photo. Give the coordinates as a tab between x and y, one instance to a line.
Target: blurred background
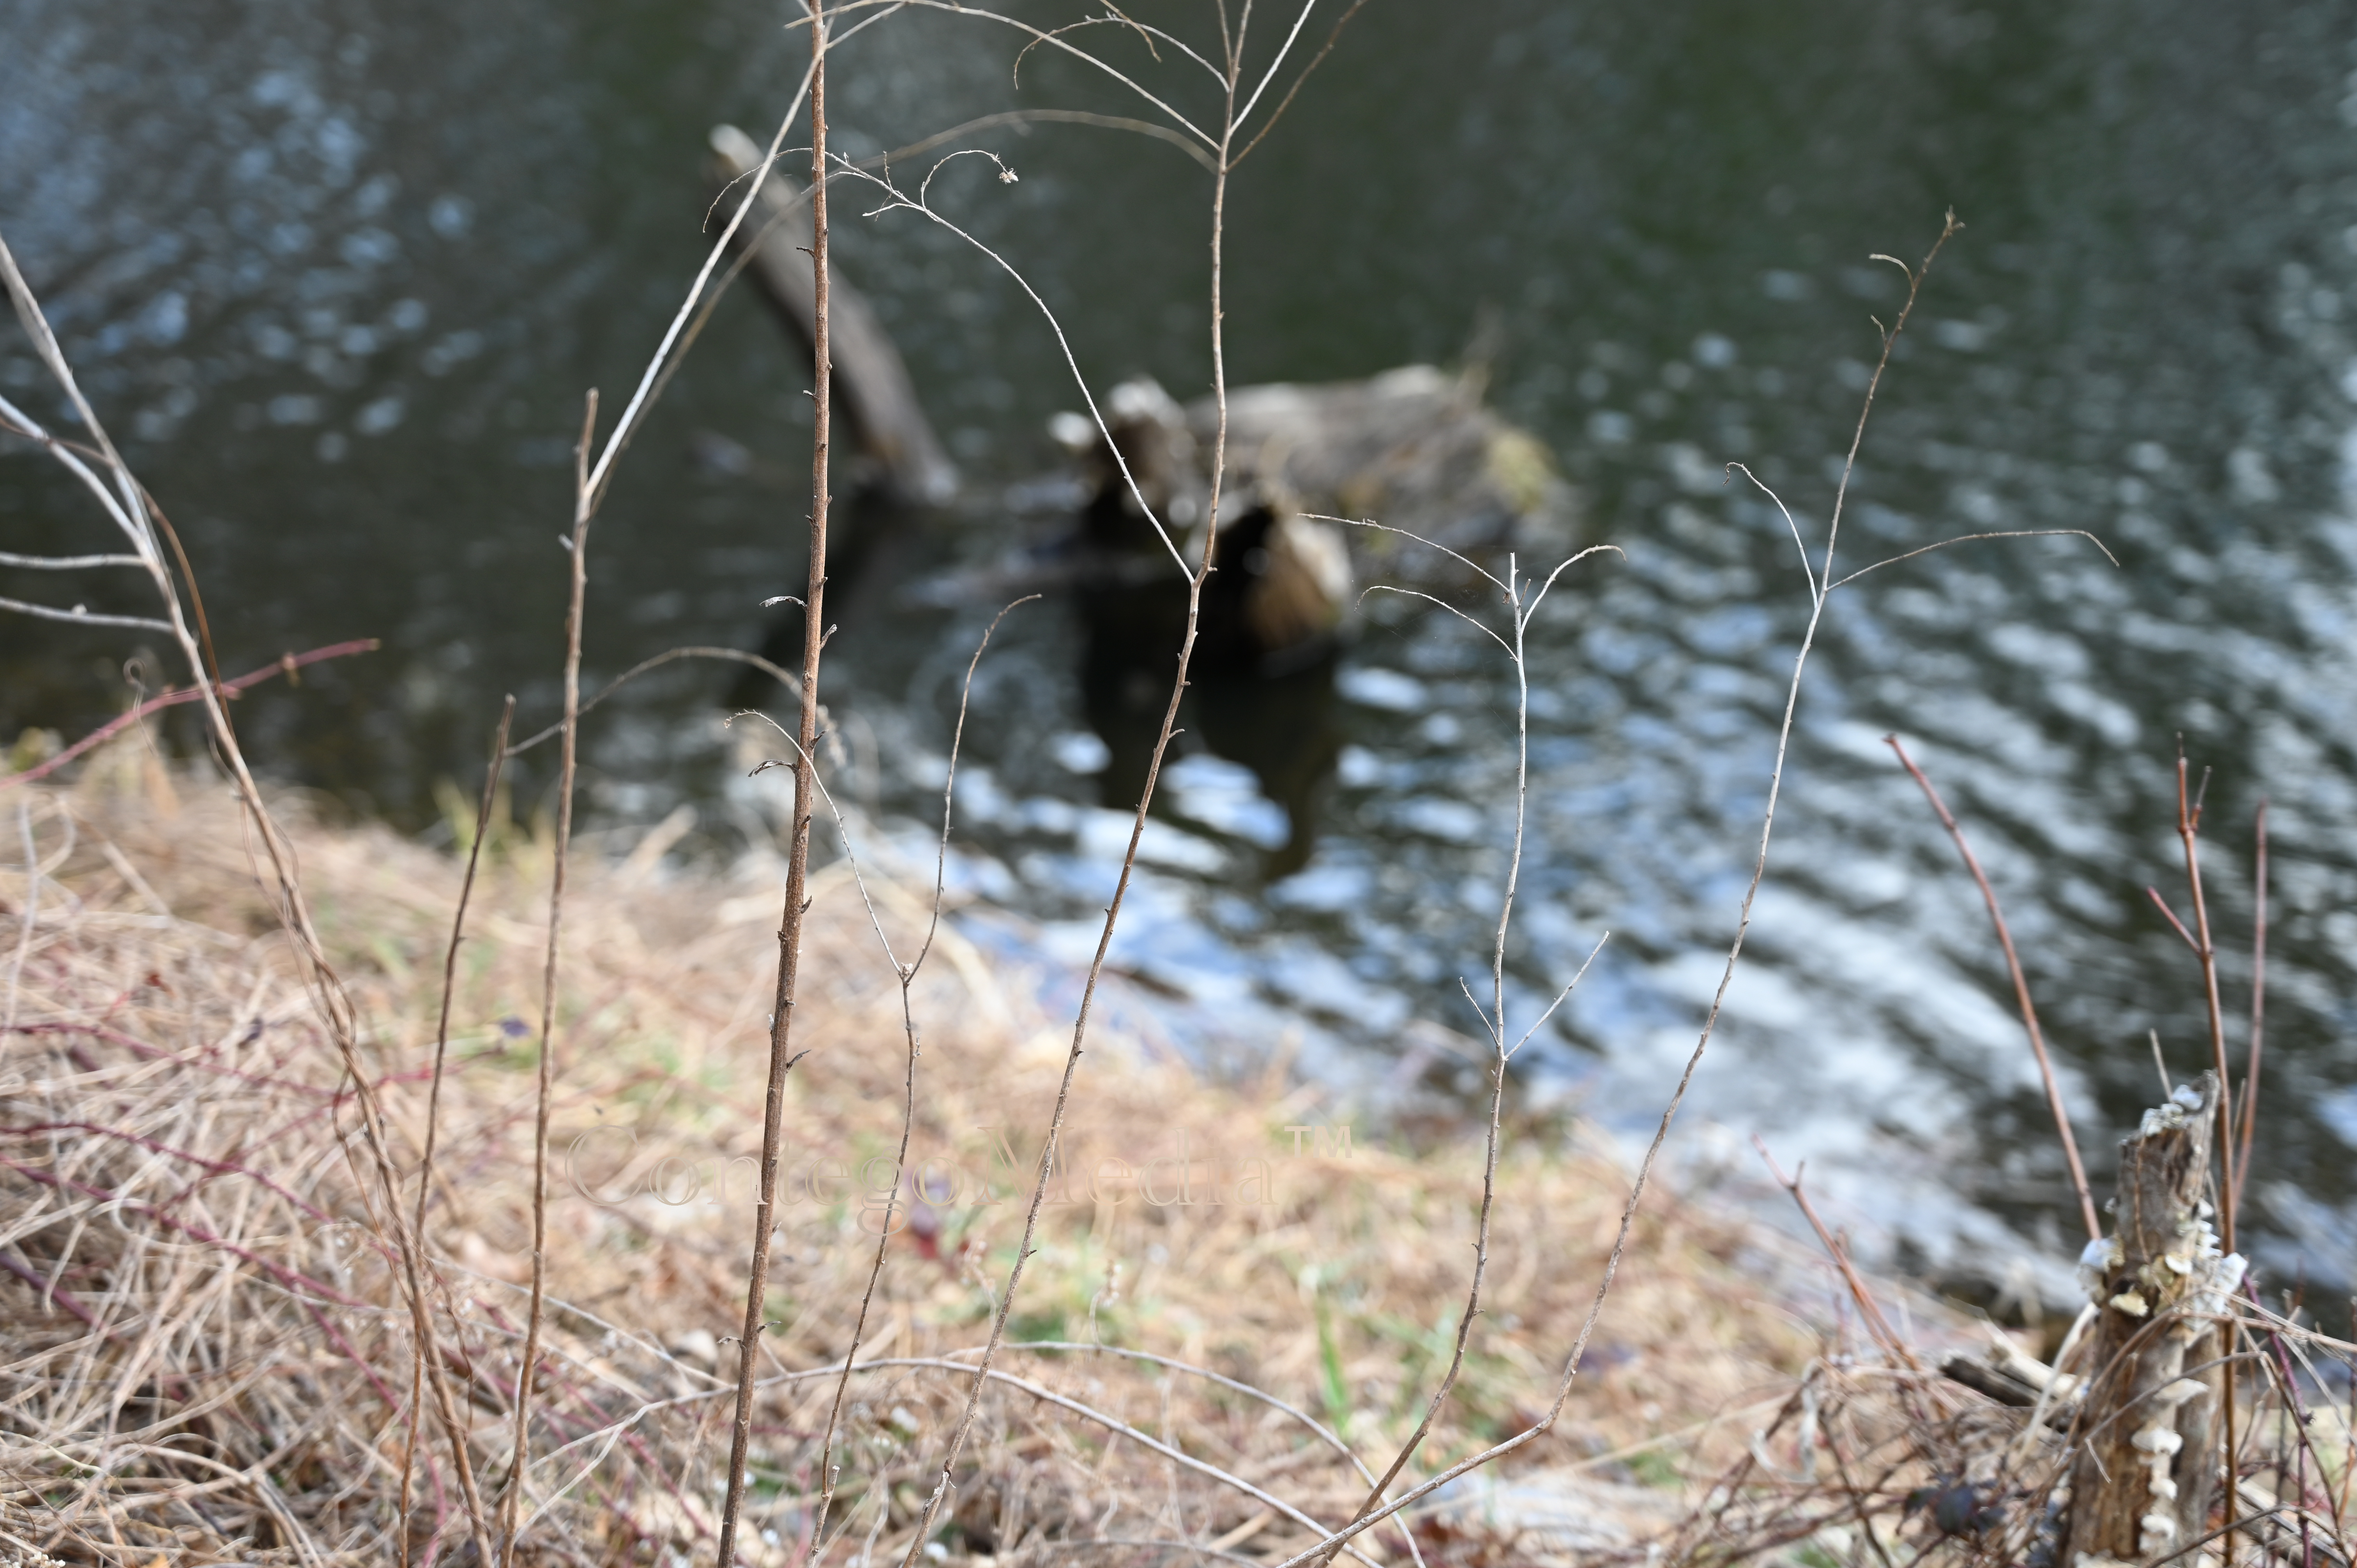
338	273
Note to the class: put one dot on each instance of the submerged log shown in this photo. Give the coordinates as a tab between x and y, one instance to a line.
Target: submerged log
869	372
2149	1468
1415	449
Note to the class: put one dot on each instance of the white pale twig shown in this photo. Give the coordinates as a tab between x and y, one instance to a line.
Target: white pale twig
1975	538
600	471
1369	1516
1520	610
1464	561
65	563
1443	604
899	200
80	617
1560	997
1807	570
1531	608
1042	36
1244	115
1143	29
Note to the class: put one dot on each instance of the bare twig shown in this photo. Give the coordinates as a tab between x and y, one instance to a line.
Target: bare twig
130	510
430	1348
1868	1309
2188	828
2087	1214
584	507
2258	1011
790	928
1231	77
733	655
1822	580
1519	613
907	973
287	664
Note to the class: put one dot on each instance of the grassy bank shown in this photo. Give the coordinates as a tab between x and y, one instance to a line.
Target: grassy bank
207	1359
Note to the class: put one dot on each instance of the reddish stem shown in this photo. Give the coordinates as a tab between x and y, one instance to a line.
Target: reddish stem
287	664
2020	992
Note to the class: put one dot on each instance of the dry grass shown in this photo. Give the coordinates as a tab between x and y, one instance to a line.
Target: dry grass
206	1359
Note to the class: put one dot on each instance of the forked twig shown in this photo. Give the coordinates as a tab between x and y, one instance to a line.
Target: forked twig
907	973
1520	611
1821	580
1231	126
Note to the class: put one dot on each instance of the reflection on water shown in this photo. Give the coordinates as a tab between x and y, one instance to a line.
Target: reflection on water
341	273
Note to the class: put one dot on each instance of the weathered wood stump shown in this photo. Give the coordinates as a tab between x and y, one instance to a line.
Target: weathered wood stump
2149	1462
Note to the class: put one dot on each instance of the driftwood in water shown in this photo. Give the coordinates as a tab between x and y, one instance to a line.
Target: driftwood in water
2150	1463
869	372
1415	449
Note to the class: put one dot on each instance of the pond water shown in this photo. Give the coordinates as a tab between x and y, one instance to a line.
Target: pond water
339	272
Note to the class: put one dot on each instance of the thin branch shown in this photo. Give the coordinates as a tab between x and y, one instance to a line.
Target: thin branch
1808	570
1042	36
2169	914
1045	116
633	410
1244	115
797	896
1200	575
1309	71
907	974
784	677
287	665
1868	1309
2087	1213
1546	1424
899	200
1976	538
428	1349
65	562
2258	1011
80	617
569	751
1518	619
1150	34
1503	645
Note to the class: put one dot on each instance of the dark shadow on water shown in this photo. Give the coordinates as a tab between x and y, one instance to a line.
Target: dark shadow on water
1277	719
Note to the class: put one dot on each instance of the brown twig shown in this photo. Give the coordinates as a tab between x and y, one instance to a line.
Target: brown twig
790	926
2020	994
568	747
2189	827
1868	1309
2258	1012
429	1348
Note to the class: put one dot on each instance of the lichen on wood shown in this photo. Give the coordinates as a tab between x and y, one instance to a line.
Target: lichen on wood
2148	1466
